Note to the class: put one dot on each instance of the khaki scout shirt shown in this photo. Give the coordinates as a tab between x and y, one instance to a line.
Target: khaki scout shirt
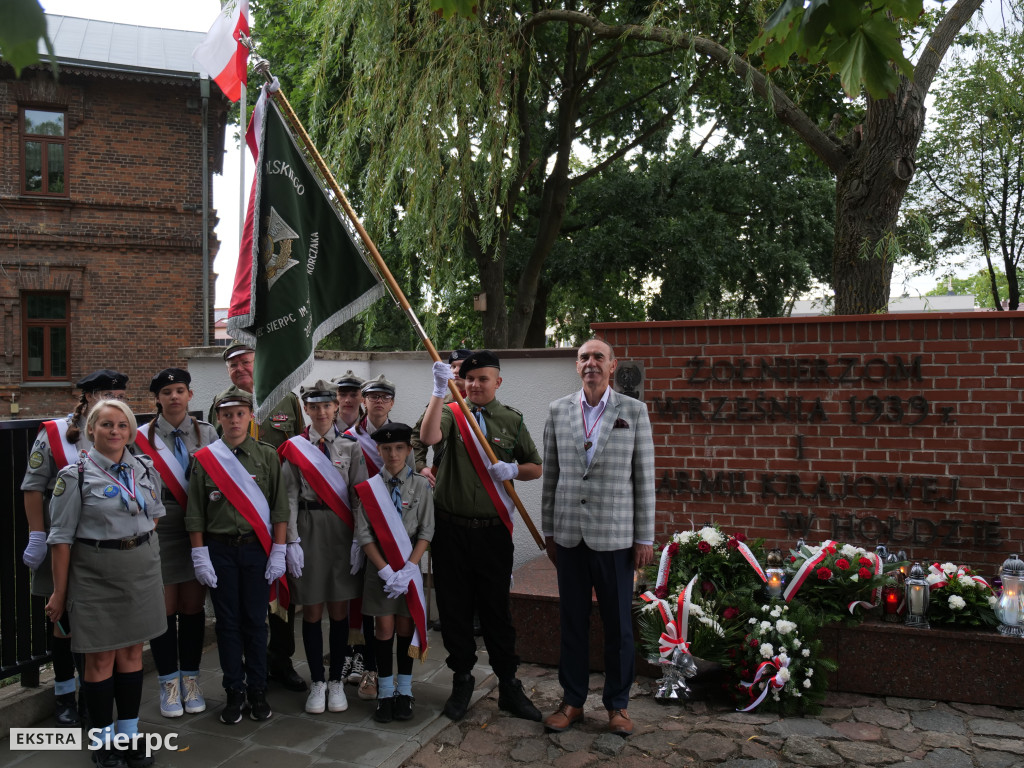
459	490
285	420
209	510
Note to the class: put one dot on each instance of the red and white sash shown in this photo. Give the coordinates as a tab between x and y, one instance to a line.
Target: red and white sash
396	547
374	463
166	463
321	474
242	492
499	496
57	431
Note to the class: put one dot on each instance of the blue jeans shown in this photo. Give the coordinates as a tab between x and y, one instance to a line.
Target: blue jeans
240	601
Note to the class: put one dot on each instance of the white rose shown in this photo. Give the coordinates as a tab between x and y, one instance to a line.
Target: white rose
949	568
934	578
808	683
784	627
767	651
810	672
696	610
796	642
783	674
805	652
992	600
751	620
766	625
712	536
967	581
956	602
775	613
848	551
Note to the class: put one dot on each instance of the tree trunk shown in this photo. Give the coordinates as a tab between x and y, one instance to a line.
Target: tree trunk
869	191
536	334
492	283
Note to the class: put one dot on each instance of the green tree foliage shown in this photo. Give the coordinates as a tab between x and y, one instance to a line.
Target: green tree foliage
978	285
23	26
971	185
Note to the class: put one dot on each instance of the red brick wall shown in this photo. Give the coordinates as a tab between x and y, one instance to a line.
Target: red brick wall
127	241
796	449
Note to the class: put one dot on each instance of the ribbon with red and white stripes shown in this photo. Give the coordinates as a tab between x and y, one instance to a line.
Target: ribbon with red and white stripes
675	631
167	465
495	490
323	477
396	547
801	575
776	664
57	432
374	463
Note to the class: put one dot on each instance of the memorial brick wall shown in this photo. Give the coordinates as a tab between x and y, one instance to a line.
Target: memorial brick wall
902	430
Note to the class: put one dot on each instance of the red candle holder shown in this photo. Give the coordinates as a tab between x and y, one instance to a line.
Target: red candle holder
891	599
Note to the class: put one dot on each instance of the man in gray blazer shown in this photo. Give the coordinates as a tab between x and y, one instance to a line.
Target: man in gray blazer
598	521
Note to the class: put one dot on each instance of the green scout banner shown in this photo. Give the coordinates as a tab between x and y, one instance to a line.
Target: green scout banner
301	273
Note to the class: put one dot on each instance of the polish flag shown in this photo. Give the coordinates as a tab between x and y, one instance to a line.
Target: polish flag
223	54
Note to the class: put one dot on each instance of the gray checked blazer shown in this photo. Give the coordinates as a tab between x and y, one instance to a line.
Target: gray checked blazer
609	504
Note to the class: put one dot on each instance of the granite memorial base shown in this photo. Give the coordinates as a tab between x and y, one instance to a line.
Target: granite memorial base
979	667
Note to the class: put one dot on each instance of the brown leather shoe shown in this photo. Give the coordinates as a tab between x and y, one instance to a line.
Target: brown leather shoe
563	718
619	722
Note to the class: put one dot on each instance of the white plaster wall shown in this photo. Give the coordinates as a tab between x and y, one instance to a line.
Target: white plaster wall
529	384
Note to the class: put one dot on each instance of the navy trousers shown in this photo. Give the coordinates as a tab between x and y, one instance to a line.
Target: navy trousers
240	602
610	576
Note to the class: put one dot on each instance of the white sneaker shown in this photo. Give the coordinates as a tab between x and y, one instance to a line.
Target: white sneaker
356	674
336	700
316	701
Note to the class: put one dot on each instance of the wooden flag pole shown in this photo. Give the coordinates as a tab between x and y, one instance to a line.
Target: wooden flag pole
393	287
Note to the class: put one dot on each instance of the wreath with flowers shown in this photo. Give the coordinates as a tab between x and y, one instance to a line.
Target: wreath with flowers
960	597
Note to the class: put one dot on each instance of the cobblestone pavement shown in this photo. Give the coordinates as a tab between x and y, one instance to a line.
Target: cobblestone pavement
852	730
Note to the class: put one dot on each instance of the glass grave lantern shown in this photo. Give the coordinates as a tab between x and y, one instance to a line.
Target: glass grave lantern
1010	606
917	594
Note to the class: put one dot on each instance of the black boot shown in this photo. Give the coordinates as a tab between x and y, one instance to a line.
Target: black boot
462	691
513	699
65	712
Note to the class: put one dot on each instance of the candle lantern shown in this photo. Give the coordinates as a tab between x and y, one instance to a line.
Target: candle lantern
901	557
775	574
891	602
882	552
1010	607
917	590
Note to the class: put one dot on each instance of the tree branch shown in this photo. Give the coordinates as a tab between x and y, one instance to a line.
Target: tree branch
781	105
945	33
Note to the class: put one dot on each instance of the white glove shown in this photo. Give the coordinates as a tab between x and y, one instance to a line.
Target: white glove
205	574
503	470
275	563
356	557
295	558
35	550
386	573
443	373
399	583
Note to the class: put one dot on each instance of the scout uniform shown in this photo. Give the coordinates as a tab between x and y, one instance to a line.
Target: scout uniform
348	380
472	549
239	561
419	450
115	555
179	650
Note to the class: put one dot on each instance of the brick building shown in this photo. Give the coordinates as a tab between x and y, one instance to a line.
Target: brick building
102	197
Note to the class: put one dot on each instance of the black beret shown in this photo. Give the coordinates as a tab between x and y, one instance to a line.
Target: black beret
393	432
482	358
105	378
169	376
236	348
459	354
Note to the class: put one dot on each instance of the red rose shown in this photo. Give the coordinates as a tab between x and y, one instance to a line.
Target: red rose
661	592
842	564
741	537
704	547
967	570
824	574
865	562
730	613
673	548
732	543
792	558
707	587
754	643
864	573
830	549
731	653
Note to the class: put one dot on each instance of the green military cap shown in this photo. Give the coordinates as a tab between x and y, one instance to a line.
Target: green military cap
236	348
232	396
319	392
348	379
380	384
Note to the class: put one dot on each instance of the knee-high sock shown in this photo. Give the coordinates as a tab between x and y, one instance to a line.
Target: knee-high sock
191	632
128	694
369	654
63	665
338	641
382	649
404	662
313	642
100	697
165	648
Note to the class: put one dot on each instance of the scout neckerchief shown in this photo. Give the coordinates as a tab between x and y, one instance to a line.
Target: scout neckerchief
396	547
321	474
124	481
242	493
374	463
499	497
167	465
57	432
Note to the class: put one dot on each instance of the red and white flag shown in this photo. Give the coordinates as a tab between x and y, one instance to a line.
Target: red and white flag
223	54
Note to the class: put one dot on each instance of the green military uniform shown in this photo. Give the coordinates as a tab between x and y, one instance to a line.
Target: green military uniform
209	510
419	450
286	419
459	491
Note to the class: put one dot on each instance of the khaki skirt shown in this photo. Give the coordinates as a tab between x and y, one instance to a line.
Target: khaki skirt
375	602
115	597
326	545
175	546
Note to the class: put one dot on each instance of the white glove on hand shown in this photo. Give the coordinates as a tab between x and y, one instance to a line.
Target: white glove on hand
503	470
399	583
35	550
295	558
442	375
275	563
386	573
205	574
356	557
